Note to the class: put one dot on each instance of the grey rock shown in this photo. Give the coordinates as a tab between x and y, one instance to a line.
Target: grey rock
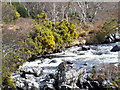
69	87
115	48
69	76
36	71
53	61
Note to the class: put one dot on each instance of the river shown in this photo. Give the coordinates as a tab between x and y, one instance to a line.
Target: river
95	56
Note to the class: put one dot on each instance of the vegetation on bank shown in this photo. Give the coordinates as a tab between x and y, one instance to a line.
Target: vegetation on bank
107	29
116	83
98	37
45	37
9	13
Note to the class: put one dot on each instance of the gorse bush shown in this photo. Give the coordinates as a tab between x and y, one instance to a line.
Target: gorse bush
116	83
11	56
10	64
67	31
44	38
7	82
47	36
11	14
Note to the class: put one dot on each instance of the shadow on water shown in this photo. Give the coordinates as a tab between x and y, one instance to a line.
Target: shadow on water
33	58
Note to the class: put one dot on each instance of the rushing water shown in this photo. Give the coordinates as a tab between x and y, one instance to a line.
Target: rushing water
96	55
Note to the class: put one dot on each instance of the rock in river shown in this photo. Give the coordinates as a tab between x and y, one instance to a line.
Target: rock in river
115	48
65	76
68	76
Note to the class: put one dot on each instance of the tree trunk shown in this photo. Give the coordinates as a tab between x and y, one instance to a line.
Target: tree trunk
54	15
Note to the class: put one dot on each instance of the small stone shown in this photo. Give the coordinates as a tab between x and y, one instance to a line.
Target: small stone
68	62
85	48
53	61
85	64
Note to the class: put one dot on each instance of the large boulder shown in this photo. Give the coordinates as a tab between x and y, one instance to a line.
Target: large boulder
109	39
115	48
36	71
112	38
92	85
67	76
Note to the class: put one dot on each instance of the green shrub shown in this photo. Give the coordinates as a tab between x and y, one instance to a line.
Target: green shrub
7	82
10	64
9	13
20	9
58	40
101	36
107	29
41	39
116	83
67	31
47	36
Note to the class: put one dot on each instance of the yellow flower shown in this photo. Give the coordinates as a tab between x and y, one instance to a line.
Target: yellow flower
17	15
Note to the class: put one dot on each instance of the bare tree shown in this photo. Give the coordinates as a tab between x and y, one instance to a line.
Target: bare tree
65	10
85	13
54	13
